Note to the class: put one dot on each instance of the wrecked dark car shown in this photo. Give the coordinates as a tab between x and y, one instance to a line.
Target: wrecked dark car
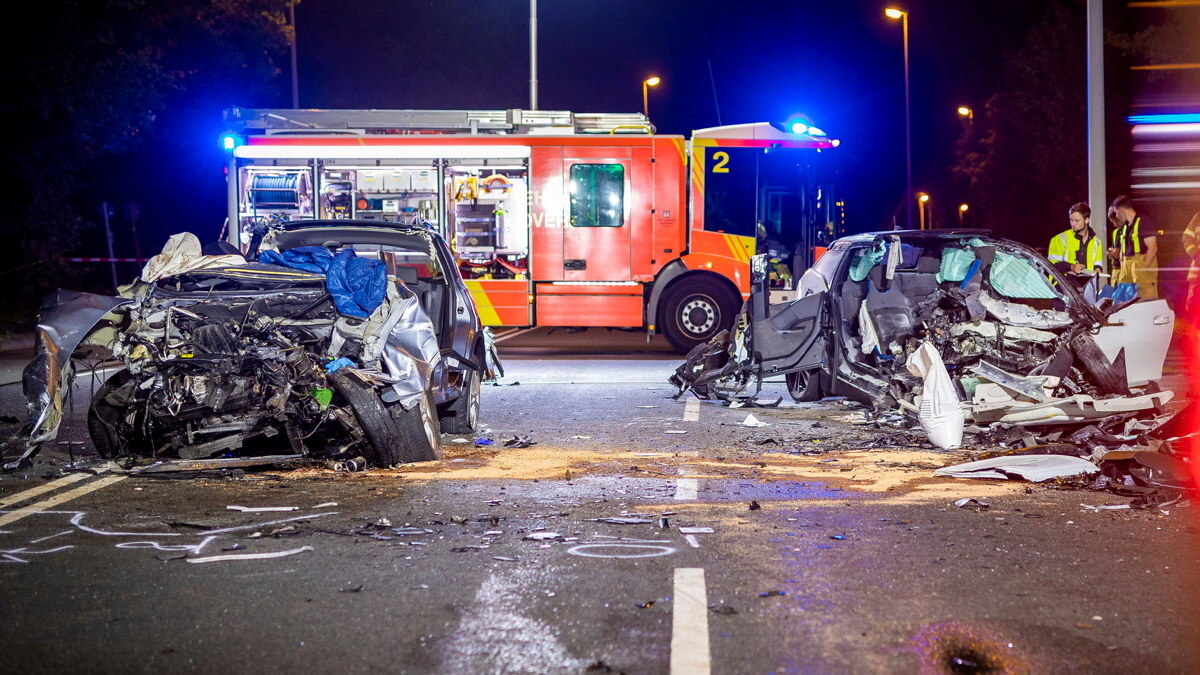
331	340
1020	343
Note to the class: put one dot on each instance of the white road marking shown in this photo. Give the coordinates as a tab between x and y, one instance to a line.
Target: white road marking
686	489
691	410
15	515
42	489
38	541
692	540
689	624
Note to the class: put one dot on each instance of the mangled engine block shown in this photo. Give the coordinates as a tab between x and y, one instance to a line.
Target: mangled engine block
215	372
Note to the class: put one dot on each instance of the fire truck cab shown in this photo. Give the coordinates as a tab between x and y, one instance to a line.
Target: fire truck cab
557	218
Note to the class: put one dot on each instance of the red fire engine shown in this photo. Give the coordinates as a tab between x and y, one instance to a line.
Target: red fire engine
558	218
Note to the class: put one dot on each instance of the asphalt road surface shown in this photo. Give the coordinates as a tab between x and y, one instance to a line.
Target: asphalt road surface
824	546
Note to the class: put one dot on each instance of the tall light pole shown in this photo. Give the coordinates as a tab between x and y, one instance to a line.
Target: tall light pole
922	200
533	55
893	13
646	84
295	75
1097	196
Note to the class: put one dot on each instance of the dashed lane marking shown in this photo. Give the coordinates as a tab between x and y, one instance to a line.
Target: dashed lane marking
686	489
691	410
42	489
15	515
689	624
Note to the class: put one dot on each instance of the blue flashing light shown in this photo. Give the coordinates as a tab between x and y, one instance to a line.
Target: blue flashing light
230	141
813	131
1177	118
799	127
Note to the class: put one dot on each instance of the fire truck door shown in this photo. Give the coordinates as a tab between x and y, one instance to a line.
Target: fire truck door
599	215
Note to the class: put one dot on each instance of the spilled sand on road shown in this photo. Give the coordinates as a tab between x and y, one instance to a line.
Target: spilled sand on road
888	476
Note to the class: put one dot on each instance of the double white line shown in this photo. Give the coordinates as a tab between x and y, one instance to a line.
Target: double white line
61	498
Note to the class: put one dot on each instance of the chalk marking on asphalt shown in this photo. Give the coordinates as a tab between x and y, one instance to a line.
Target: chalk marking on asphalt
18	514
686	489
691	410
251	556
689	624
692	540
38	541
633	550
42	489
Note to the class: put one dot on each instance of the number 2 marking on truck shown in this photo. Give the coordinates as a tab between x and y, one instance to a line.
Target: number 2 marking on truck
722	159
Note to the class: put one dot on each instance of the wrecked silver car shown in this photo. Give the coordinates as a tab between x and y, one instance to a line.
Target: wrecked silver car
336	339
1020	343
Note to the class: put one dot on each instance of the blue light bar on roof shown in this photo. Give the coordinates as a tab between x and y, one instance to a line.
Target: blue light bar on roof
1175	118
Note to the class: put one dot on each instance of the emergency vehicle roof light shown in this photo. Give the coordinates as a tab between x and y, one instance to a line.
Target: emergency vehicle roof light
230	141
798	127
813	131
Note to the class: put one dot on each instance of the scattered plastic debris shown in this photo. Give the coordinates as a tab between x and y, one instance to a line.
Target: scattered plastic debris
771	594
544	536
484	441
263	509
755	506
723	610
1033	468
520	442
695	530
752	421
675	431
970	502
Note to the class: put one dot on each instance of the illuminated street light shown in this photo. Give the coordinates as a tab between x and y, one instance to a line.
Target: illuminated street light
964	111
922	200
646	84
962	212
902	16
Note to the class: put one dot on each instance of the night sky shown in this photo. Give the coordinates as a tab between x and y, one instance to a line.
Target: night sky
838	63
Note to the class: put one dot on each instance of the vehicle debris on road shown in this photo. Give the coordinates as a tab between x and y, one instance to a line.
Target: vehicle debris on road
977	340
336	339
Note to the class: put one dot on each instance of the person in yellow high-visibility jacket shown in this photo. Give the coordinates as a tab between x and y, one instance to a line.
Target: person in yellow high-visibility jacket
1135	246
1077	250
1191	245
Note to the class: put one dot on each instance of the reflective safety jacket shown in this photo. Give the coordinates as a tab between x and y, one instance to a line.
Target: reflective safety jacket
1064	247
1127	238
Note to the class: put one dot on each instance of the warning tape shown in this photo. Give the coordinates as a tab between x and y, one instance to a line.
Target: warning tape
106	259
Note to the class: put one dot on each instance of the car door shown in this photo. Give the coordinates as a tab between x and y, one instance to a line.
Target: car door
787	337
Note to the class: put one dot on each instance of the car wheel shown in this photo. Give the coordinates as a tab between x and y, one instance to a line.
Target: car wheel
419	428
462	415
1091	360
394	435
694	310
804	385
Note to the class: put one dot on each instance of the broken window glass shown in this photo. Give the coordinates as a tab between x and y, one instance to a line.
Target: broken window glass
1016	277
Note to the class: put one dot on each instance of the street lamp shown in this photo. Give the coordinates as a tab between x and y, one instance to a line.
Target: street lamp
962	212
922	200
893	13
646	84
964	111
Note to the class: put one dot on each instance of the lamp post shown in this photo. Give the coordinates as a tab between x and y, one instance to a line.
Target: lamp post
646	84
922	200
966	113
533	55
893	13
962	213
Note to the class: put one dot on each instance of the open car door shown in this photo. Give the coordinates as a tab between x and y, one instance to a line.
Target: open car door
788	337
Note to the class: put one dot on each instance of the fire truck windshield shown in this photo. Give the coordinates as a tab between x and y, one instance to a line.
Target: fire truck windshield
780	196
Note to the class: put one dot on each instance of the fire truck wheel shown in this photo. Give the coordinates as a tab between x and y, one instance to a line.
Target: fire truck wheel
693	310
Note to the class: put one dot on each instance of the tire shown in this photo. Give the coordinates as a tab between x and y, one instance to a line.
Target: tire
419	427
695	309
462	415
1091	360
804	385
106	416
394	435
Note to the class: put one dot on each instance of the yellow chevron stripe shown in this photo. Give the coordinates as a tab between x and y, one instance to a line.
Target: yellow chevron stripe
483	304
